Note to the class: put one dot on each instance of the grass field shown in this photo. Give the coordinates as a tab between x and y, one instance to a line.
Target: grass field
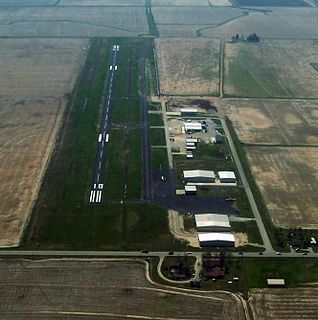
155	119
250	228
157	137
62	217
188	67
271	69
126	112
159	158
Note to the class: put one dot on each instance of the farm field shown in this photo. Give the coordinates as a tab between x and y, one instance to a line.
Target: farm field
287	122
115	3
295	303
287	178
188	67
30	115
111	289
274	23
271	69
177	3
271	3
65	21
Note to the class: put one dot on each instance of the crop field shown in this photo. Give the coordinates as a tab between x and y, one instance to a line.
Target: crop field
36	74
290	122
271	3
287	178
195	16
188	67
107	289
295	303
271	69
276	23
115	3
65	21
182	3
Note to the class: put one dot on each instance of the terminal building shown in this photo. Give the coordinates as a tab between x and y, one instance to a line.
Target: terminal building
216	239
212	222
227	176
199	176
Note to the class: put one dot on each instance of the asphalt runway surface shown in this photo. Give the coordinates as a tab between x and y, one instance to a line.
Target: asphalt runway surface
103	136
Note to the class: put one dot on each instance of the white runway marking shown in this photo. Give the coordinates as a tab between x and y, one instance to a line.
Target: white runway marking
100	186
99	165
107	137
97	177
92	196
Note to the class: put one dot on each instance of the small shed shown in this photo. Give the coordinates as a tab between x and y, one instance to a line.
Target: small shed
227	176
275	283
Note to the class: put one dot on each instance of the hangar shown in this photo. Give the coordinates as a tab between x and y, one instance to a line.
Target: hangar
199	176
192	126
216	239
189	112
212	222
227	176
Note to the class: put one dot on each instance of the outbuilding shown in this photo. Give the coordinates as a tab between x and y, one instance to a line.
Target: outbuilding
227	176
277	283
189	112
210	222
190	190
199	176
216	239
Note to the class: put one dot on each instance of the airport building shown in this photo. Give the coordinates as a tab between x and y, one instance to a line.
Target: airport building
212	222
190	190
199	176
192	126
216	239
189	112
227	176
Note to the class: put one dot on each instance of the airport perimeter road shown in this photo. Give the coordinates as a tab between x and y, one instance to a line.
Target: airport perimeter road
103	136
257	215
138	254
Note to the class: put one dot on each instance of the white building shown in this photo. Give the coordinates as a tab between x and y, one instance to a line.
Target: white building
190	190
227	176
189	112
212	222
216	239
199	176
192	126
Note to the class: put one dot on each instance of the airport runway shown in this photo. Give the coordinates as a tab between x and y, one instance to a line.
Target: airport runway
103	136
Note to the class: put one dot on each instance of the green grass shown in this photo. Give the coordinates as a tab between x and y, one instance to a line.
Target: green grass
62	217
154	106
126	111
250	77
159	158
250	228
155	119
157	137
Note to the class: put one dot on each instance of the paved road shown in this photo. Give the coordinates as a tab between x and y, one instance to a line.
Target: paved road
103	136
137	254
257	215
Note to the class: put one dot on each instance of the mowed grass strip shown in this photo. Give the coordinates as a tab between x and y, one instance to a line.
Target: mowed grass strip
157	137
155	119
159	158
126	111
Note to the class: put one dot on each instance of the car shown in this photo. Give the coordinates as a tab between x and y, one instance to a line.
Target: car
144	251
189	252
163	178
260	253
170	253
305	254
278	253
240	253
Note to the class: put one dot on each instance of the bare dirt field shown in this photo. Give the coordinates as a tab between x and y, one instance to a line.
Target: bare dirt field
280	304
36	74
290	122
188	67
82	289
5	3
278	23
182	3
288	179
129	3
271	69
65	21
